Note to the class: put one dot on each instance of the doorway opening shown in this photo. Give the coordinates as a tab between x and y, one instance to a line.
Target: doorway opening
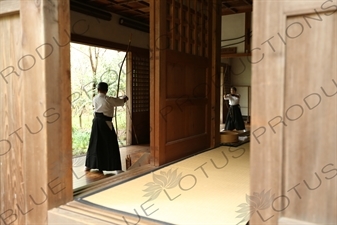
90	65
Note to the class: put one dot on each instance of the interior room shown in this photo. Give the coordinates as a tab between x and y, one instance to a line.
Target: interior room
131	23
133	36
176	61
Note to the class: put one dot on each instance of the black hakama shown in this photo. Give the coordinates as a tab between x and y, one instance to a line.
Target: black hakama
234	118
103	151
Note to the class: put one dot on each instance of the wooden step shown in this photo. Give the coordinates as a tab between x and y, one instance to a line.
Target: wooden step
76	212
79	213
114	180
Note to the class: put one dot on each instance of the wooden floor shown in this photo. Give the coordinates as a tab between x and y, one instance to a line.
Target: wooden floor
139	157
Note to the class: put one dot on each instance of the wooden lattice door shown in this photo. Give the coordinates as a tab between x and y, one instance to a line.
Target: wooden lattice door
140	98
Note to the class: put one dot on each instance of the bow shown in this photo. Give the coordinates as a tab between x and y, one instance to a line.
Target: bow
119	79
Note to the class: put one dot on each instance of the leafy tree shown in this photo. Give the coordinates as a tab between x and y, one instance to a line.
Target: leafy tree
90	65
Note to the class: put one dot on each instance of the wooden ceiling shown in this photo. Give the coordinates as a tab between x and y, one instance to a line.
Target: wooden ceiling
236	6
139	10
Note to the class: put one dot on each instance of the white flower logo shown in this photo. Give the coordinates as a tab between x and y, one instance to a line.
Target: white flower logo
162	181
254	203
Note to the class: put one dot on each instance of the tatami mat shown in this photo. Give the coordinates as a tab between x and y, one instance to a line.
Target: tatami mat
203	189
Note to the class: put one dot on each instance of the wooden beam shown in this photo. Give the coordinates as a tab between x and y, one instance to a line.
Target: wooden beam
158	42
229	7
235	55
9	7
226	11
248	29
215	49
289	221
247	2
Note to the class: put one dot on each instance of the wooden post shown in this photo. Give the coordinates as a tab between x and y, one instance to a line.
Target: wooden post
293	129
215	34
36	171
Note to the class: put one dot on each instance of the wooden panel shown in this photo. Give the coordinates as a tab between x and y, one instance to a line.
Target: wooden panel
287	221
185	115
187	146
185	76
188	26
12	178
140	99
9	7
292	144
35	111
141	128
310	104
186	97
185	48
187	119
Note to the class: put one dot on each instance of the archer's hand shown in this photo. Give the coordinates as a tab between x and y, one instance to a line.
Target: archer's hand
126	98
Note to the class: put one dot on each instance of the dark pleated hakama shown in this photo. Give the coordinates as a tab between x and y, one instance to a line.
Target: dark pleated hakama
234	119
103	151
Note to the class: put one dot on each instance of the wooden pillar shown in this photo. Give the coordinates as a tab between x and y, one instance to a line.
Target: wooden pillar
216	72
294	99
248	30
158	43
36	169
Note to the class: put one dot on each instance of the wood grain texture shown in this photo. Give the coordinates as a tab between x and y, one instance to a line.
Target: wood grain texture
158	43
287	221
35	111
185	74
214	36
8	7
140	89
291	143
78	213
57	83
310	135
12	177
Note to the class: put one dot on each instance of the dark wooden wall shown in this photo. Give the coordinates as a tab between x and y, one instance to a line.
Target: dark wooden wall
185	71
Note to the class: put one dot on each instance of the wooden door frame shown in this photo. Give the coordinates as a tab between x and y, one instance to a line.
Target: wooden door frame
268	89
39	165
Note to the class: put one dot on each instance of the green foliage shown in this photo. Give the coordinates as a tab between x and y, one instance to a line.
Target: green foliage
85	75
80	141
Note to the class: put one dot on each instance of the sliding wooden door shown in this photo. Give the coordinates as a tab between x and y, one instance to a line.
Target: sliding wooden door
140	101
184	60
